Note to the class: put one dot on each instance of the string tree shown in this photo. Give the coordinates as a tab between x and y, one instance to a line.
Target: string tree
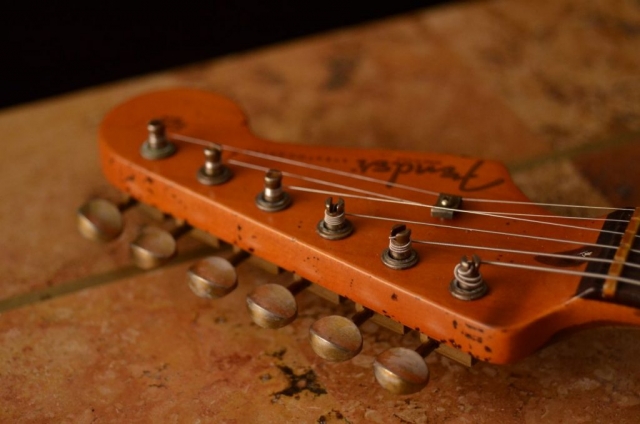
467	283
400	254
273	198
446	206
334	225
157	145
213	172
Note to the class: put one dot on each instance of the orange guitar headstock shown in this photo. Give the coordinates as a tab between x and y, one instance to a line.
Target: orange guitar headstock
444	245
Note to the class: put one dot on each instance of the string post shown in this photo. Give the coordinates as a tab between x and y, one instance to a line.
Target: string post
273	198
400	254
213	172
446	206
157	145
334	225
467	283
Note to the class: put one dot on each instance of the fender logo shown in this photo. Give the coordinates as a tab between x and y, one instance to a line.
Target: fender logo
469	180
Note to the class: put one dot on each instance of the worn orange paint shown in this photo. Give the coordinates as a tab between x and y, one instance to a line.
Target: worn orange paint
522	311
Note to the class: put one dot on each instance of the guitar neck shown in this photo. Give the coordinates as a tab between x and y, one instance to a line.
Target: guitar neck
534	266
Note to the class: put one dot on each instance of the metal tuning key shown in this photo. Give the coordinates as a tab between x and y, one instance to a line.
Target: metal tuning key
157	145
467	283
337	338
101	220
404	371
215	277
155	246
400	254
213	172
273	198
334	225
273	305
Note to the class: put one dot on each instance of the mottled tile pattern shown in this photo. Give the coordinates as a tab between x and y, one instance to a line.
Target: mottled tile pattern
550	87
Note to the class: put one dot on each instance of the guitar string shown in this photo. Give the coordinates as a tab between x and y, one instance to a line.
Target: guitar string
375	199
293	162
411	203
563	271
500	233
497	215
525	252
271	157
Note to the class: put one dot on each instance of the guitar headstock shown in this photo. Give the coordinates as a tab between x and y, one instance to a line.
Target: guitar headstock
385	229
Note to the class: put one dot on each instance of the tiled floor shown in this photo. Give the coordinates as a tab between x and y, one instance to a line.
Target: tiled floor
552	88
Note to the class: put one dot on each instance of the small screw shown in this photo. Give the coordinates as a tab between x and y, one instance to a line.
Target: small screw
157	145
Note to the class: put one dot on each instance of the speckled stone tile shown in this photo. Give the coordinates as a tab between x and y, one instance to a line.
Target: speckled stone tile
547	86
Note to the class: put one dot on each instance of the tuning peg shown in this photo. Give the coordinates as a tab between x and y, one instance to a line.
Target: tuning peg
157	145
337	338
404	371
273	198
400	254
154	246
273	305
101	220
214	277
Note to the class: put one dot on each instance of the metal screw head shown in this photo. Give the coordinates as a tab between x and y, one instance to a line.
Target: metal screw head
335	338
99	220
152	248
272	306
401	371
157	145
212	277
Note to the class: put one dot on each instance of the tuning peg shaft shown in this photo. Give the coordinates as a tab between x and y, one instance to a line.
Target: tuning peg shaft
101	220
154	246
404	371
337	338
273	305
214	277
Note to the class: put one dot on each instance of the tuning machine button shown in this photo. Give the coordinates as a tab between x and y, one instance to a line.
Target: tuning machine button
404	371
273	305
337	338
101	220
154	246
273	198
157	145
214	277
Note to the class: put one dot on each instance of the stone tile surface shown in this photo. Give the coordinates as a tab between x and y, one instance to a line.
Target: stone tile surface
550	87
